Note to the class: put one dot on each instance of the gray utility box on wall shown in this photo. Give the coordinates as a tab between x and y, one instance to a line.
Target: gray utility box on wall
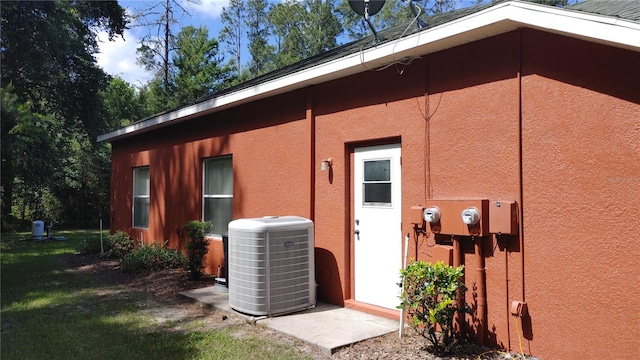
271	265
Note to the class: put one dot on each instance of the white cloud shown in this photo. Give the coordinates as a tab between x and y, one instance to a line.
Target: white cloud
207	8
118	58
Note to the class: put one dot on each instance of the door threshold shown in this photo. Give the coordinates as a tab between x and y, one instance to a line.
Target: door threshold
372	309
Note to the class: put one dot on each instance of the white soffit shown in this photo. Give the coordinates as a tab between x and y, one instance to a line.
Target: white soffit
492	21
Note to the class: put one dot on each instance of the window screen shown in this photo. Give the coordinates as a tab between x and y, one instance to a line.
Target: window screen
141	197
377	182
218	193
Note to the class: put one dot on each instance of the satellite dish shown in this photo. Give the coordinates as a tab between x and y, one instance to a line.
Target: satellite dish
366	8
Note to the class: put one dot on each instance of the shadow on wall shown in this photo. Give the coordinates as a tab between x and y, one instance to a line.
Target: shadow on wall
496	59
618	78
492	336
183	183
327	277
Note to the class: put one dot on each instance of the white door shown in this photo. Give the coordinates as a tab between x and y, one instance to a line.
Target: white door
377	225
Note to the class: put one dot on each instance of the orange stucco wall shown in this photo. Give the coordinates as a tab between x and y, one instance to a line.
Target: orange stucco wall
256	136
549	122
581	172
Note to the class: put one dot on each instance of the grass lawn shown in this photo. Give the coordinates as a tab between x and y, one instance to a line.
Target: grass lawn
52	312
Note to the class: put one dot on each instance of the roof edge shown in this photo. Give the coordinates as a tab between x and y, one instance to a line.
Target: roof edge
500	18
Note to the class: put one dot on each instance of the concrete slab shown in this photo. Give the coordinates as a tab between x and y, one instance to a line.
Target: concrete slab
329	327
210	296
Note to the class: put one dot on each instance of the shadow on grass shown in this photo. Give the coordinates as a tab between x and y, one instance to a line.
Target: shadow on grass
53	308
51	311
83	325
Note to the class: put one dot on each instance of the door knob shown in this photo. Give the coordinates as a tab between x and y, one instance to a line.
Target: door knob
357	232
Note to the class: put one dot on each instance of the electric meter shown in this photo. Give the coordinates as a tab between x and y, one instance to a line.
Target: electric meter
470	216
431	214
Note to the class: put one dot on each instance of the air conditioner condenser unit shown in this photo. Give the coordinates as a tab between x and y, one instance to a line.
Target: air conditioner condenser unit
271	265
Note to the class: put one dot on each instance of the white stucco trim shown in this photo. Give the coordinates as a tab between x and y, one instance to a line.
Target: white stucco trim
498	19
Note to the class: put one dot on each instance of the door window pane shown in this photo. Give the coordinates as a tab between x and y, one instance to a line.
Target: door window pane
377	194
377	170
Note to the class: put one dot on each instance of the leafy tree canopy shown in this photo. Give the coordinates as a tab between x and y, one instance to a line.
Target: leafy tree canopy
51	108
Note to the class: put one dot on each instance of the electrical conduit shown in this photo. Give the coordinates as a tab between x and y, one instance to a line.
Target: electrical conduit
481	292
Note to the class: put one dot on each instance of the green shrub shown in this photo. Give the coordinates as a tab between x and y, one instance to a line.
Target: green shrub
115	246
91	246
153	257
429	300
196	247
119	245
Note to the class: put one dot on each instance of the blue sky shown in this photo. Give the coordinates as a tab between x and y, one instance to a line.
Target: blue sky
119	57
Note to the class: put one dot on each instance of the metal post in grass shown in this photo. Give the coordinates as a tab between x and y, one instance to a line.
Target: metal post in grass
101	245
404	266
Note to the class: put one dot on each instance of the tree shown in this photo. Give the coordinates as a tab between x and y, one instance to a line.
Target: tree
47	54
24	144
353	24
30	155
157	47
285	22
302	29
262	54
438	6
321	28
50	85
198	64
123	103
231	34
393	13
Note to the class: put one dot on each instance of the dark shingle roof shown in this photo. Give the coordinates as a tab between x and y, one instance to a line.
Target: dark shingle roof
627	9
624	9
384	36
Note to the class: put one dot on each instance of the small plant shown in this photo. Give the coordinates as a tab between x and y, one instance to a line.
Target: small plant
153	257
197	247
429	299
119	245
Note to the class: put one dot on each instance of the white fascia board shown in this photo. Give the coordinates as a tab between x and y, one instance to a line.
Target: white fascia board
492	21
591	27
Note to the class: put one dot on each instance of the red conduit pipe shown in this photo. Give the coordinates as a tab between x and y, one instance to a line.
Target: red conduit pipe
311	128
520	157
457	261
506	292
481	299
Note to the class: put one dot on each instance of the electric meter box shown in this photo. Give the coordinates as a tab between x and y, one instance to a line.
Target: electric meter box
451	223
416	215
503	217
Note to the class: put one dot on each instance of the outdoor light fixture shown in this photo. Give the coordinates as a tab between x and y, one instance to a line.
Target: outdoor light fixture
326	164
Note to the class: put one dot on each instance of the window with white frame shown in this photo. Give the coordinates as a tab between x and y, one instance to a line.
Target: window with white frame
217	193
141	197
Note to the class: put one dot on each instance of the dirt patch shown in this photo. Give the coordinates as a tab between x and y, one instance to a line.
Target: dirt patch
176	313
